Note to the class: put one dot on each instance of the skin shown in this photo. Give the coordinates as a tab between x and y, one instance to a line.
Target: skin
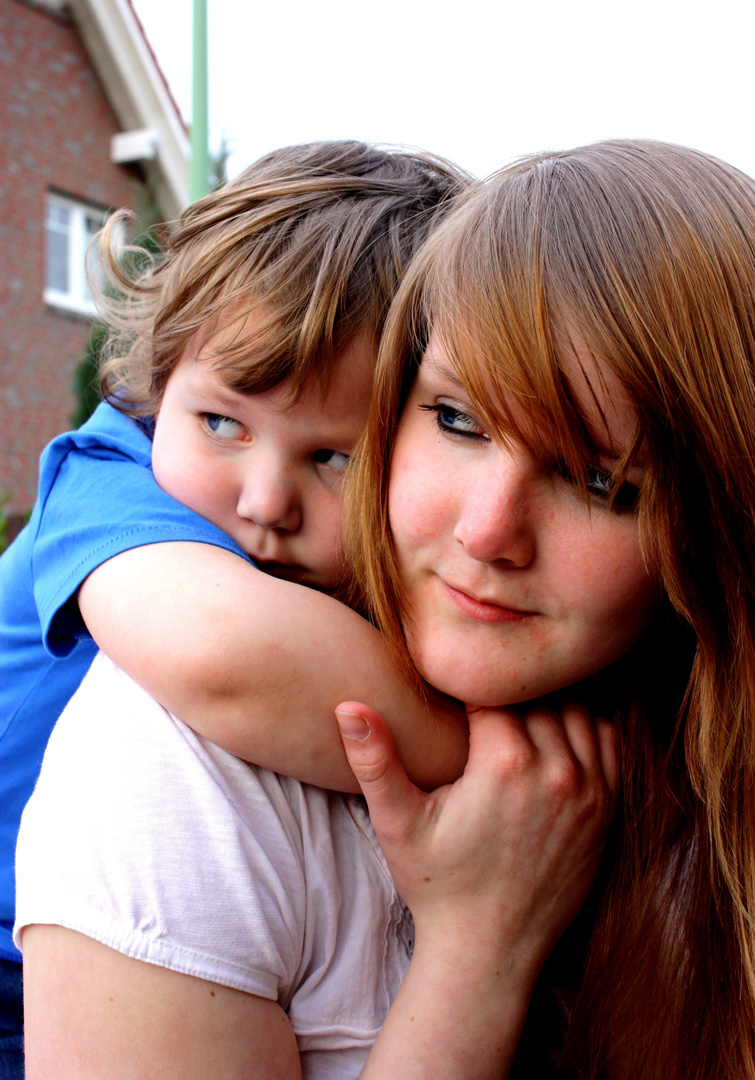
481	865
251	660
516	587
481	862
500	556
266	472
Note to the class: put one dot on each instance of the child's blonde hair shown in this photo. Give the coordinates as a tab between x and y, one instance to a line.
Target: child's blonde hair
313	238
647	251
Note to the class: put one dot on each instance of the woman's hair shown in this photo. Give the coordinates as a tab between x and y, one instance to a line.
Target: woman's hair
647	252
313	239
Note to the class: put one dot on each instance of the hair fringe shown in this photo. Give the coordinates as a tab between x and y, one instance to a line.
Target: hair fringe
311	240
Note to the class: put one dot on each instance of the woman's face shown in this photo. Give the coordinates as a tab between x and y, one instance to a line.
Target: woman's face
516	585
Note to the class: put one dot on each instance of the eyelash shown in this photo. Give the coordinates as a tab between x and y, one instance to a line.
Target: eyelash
217	418
599	482
325	457
448	412
623	497
334	459
600	486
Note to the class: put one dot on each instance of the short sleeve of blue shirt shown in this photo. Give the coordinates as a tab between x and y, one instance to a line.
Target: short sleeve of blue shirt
97	497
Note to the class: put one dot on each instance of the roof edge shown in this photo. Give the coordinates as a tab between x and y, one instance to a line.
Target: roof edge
138	91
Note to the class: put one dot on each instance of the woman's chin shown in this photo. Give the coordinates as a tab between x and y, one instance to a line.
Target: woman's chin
474	687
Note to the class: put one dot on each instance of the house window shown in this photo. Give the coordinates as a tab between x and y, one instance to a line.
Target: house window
70	227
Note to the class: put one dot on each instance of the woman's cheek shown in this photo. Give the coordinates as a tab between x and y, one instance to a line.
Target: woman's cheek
418	495
415	509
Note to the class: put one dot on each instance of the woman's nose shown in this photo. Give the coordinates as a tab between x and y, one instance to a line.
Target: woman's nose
496	521
270	498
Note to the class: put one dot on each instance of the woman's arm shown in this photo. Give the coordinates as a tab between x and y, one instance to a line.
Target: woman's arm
493	869
257	665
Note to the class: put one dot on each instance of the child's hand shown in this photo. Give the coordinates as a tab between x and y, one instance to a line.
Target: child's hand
507	854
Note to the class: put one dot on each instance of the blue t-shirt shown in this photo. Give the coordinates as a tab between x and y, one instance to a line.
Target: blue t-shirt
97	497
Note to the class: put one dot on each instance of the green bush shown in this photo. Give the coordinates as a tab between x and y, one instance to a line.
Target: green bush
5	521
86	377
4	500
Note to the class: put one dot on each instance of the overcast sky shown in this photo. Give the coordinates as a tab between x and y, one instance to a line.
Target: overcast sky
479	82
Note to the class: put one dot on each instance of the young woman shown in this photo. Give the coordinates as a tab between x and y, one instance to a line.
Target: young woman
553	502
562	443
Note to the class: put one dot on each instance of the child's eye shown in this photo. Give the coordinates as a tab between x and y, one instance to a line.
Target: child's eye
334	458
452	421
223	426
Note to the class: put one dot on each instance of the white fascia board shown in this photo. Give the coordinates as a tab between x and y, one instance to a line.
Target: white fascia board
139	145
137	90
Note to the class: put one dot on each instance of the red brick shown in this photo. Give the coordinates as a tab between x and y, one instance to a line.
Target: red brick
55	130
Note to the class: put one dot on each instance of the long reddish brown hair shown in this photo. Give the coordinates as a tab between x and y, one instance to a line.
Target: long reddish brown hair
648	250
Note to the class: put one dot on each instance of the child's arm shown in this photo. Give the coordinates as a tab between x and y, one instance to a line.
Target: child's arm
256	664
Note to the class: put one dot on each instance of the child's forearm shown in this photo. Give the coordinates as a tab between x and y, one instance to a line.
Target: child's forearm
256	664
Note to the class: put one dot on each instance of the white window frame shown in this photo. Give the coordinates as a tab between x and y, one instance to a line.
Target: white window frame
76	297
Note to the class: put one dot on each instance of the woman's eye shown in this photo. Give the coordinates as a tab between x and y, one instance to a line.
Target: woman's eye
223	426
334	458
601	485
453	421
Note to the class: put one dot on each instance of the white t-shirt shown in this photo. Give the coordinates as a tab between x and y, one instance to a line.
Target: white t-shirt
149	839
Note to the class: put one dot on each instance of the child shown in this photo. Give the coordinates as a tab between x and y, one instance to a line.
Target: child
247	354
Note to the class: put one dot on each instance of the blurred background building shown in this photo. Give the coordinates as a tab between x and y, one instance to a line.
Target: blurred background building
88	124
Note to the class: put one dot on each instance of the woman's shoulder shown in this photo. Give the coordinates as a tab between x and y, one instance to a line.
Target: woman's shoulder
129	752
148	838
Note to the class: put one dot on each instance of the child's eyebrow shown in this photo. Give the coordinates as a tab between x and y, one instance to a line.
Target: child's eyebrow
225	396
219	393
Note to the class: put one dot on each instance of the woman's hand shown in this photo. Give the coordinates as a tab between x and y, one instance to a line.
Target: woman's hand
493	868
507	854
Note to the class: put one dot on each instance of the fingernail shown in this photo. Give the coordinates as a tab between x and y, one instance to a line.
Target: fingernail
353	726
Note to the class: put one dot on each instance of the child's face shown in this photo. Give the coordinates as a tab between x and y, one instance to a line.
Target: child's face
516	586
266	473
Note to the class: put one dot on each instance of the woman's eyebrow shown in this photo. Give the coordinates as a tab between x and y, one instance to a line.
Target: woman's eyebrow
613	455
442	370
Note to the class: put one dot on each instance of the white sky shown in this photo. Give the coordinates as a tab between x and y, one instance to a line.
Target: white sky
479	82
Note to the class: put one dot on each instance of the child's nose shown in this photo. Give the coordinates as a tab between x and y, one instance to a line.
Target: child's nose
271	500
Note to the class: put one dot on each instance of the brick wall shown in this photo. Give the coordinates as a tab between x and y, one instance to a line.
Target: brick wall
55	129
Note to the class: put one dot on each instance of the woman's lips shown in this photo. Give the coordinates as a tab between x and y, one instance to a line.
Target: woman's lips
484	610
